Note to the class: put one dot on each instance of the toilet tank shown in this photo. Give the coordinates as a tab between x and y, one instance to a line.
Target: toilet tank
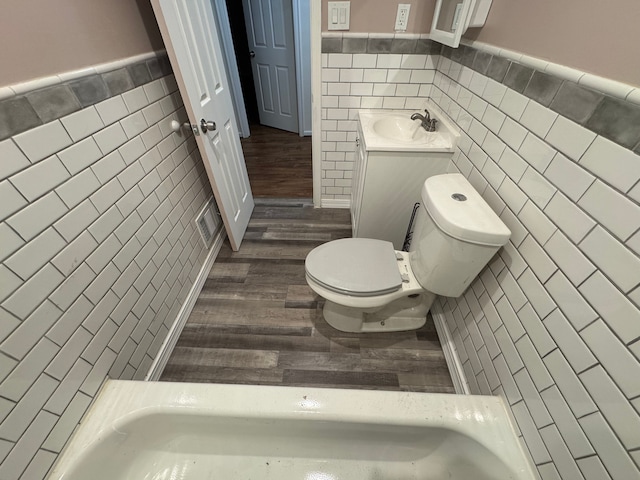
455	235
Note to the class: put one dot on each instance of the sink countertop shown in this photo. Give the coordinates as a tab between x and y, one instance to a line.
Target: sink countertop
444	139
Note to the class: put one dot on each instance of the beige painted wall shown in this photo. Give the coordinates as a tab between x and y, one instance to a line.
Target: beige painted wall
591	35
40	38
379	16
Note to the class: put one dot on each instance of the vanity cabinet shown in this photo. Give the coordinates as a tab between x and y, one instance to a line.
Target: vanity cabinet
386	185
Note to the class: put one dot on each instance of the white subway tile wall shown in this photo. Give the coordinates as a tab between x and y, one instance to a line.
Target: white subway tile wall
553	323
559	326
351	82
99	251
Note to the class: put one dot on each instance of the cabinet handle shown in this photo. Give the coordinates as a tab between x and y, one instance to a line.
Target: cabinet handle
357	142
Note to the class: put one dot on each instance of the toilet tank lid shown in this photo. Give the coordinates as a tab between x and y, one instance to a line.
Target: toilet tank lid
460	212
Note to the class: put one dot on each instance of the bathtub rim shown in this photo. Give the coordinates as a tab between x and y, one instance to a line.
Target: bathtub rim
484	419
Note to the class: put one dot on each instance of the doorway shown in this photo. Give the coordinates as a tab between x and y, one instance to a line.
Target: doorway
241	51
278	163
267	45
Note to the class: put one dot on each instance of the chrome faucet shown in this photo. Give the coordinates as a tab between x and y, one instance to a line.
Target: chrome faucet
428	123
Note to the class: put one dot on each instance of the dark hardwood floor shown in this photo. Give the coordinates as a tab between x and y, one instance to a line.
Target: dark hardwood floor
257	322
278	163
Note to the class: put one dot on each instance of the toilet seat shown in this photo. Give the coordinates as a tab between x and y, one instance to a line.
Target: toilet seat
360	267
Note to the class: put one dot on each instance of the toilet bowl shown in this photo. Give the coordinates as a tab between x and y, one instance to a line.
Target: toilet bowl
366	282
370	287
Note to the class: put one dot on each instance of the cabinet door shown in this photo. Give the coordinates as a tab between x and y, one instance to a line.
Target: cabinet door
357	182
392	185
450	21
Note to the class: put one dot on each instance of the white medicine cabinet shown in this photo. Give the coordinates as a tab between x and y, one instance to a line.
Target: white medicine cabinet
452	18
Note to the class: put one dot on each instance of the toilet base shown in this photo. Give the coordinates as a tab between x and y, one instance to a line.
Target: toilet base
401	315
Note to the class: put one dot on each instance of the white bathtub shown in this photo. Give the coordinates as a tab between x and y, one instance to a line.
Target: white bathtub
178	431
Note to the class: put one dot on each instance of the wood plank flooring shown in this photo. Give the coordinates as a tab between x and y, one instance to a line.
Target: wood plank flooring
278	163
257	322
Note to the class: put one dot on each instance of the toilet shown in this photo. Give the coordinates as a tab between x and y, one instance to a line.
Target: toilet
370	287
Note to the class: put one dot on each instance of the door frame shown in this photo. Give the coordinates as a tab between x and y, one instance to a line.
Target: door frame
316	99
299	25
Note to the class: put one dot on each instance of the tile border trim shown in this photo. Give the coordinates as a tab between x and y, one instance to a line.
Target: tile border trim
610	116
377	43
38	102
9	91
604	85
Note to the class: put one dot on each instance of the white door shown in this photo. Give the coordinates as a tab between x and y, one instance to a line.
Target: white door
270	34
189	31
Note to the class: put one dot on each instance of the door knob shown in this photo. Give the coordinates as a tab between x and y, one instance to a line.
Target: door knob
252	54
207	126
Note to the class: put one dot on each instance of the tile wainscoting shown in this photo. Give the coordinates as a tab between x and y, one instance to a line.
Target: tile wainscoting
98	247
603	106
366	72
552	324
377	71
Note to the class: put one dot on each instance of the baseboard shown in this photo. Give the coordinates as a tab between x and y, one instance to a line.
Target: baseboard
450	354
283	202
181	319
335	203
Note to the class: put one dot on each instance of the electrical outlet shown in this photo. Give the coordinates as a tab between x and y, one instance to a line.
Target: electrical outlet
402	18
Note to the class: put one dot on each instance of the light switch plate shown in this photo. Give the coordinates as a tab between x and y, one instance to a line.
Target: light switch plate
339	13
